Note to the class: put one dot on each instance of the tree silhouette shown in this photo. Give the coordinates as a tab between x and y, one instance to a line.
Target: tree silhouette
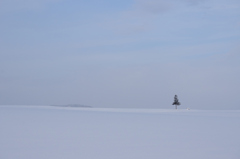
176	102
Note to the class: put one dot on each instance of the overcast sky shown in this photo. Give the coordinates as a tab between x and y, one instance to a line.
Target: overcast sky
122	53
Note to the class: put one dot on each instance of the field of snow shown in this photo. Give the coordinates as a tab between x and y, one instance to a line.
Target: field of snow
45	132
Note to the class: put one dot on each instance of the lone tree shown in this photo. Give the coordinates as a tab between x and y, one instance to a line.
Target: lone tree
176	102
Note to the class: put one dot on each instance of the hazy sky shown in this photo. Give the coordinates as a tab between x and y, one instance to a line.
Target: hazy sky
122	53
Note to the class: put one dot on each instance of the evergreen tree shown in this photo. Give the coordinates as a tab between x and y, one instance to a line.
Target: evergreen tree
176	102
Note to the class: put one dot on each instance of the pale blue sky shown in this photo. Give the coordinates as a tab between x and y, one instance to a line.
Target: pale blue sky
133	53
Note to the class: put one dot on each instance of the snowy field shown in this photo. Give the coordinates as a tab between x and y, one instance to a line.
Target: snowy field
47	132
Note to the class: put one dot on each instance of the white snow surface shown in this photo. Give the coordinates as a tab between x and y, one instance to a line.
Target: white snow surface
47	132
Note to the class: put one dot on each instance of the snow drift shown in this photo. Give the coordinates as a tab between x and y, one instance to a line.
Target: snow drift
42	132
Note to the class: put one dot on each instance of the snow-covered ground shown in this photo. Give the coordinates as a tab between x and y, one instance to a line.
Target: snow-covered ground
44	132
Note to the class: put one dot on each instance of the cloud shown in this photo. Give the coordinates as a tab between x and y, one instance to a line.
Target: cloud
162	6
153	6
143	15
194	2
6	5
175	16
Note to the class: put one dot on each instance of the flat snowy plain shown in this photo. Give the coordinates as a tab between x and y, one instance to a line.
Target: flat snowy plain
47	132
